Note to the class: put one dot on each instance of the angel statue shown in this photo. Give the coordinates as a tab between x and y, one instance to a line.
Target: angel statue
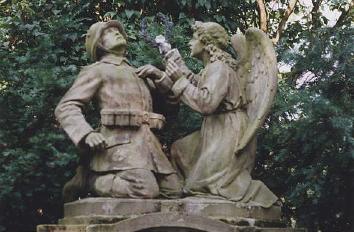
234	97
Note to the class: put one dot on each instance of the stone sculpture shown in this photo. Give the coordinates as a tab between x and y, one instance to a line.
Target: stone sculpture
234	97
122	158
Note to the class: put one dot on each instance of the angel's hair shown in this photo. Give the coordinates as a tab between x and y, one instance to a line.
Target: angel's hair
215	39
211	33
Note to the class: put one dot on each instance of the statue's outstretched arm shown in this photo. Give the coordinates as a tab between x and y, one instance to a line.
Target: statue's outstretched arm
206	97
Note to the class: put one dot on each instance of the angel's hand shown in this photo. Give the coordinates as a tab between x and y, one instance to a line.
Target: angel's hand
174	55
149	71
173	70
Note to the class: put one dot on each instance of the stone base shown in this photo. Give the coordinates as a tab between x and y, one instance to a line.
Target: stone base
156	215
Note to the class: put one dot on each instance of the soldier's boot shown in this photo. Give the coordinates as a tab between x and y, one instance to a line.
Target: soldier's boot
76	187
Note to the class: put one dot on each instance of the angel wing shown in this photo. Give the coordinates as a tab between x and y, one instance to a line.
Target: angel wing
258	71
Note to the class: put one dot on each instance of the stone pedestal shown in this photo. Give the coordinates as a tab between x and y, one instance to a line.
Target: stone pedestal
157	215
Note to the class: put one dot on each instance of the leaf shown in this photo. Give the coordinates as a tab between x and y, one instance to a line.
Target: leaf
208	5
110	14
129	13
201	2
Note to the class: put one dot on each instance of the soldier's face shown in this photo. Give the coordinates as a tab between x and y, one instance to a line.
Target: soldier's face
112	39
196	46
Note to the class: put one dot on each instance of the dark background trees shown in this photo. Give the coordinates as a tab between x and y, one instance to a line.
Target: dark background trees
306	147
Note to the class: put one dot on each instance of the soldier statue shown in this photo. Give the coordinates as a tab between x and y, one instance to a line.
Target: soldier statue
123	157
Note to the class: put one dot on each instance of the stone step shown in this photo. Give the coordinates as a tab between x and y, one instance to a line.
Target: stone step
84	228
61	228
172	222
159	215
193	206
239	221
95	219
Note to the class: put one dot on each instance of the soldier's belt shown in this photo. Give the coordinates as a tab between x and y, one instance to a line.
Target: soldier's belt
114	117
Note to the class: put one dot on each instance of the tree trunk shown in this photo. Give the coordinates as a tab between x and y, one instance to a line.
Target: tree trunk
283	21
262	13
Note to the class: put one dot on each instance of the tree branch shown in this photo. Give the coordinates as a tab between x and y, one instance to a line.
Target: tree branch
245	23
342	18
315	12
283	21
262	12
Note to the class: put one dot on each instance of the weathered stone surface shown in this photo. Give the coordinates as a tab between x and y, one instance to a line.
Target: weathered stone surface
124	150
280	230
234	97
125	156
227	209
110	206
61	228
160	215
215	208
93	219
169	221
240	221
170	228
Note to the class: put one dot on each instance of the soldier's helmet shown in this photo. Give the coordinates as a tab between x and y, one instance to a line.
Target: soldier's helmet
94	34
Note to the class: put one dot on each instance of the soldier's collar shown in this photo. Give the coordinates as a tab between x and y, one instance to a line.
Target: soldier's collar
113	59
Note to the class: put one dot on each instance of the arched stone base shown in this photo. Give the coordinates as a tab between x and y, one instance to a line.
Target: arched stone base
168	221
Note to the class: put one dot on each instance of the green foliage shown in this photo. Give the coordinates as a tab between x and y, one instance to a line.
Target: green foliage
305	149
40	54
308	142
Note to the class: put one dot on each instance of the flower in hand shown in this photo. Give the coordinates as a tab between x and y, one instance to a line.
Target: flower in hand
173	70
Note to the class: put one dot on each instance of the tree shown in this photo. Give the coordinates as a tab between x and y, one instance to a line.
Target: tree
307	140
309	134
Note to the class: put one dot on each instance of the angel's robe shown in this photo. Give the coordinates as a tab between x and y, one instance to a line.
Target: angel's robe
206	158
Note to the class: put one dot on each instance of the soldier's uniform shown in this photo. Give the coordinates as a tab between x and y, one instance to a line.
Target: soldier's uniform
129	165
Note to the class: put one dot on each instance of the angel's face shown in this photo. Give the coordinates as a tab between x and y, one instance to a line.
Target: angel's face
196	46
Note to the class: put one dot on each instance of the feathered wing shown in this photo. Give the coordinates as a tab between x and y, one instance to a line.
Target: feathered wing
258	72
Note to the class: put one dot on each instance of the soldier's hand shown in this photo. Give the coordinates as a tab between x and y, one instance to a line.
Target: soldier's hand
96	141
173	70
149	71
